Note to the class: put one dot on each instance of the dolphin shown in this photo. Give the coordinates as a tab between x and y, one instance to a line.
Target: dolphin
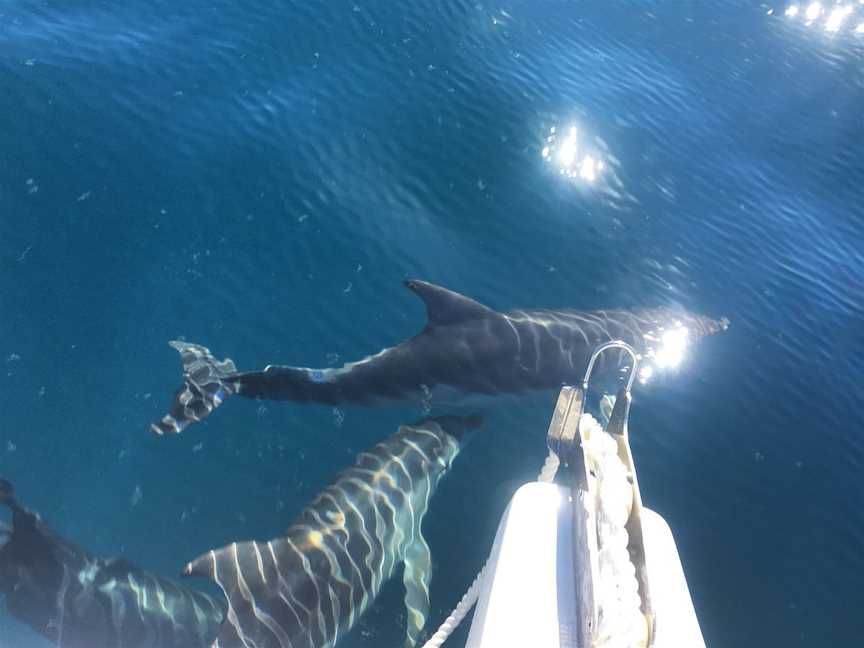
308	587
465	345
76	600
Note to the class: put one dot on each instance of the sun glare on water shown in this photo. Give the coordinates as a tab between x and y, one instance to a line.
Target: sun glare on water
667	352
831	19
572	156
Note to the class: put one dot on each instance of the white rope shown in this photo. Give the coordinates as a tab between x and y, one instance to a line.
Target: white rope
452	622
547	474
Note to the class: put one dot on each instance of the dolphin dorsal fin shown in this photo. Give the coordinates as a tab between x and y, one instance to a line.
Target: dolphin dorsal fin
7	492
445	306
120	568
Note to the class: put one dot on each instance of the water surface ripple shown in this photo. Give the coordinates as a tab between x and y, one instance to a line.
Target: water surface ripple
260	176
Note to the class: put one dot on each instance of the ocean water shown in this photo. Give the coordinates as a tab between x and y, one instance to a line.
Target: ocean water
260	177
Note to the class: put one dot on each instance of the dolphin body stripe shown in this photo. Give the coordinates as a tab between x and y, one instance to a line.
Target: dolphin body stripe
465	345
307	588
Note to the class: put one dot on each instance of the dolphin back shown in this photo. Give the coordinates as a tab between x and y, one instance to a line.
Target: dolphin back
308	587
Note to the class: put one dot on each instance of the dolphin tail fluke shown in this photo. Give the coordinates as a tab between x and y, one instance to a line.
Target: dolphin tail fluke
206	385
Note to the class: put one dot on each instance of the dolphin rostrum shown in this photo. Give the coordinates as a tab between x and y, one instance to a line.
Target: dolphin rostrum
76	600
308	587
465	345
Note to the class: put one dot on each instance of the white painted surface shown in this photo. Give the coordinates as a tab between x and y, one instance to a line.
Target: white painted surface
528	597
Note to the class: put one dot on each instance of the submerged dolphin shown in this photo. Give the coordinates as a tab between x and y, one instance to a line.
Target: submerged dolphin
465	345
308	587
78	601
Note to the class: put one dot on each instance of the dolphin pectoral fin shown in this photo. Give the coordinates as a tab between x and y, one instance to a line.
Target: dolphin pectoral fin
205	387
445	306
417	574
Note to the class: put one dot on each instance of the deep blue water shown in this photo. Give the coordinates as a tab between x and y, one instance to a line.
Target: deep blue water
260	176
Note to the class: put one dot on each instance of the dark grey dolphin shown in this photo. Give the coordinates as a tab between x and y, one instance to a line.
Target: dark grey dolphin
308	587
465	345
76	600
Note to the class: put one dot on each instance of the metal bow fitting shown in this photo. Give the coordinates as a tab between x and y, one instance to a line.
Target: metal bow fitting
563	434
